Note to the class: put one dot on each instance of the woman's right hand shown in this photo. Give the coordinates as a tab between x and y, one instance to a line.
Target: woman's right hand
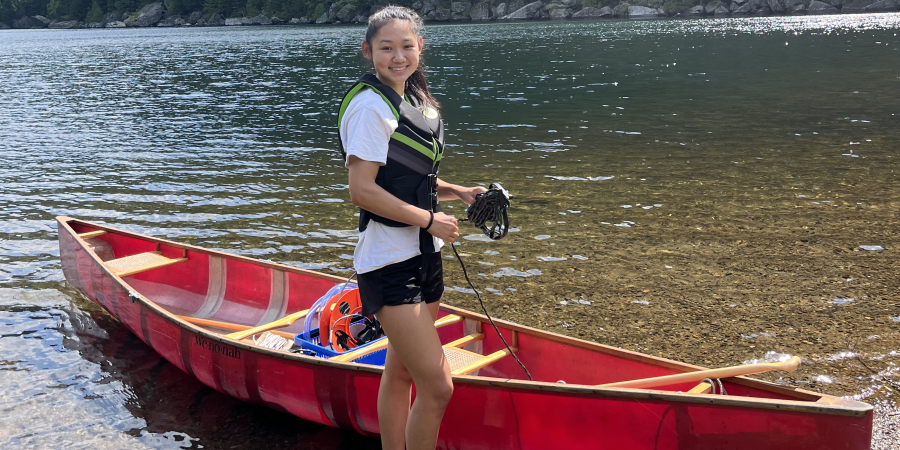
444	227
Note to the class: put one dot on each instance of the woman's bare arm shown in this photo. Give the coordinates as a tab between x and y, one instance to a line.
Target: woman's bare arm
367	195
447	191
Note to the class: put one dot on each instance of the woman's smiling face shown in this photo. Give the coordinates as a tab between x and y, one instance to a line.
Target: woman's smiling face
394	51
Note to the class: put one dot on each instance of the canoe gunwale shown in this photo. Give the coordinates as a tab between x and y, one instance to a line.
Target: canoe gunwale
815	403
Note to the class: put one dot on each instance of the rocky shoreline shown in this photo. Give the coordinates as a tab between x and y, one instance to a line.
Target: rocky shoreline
156	14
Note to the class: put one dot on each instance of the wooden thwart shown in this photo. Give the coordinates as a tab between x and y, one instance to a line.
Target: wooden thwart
91	234
702	388
725	372
382	344
141	262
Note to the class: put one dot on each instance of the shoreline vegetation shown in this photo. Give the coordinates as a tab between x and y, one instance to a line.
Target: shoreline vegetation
71	14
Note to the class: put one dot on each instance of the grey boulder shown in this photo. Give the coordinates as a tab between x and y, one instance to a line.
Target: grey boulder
29	22
527	12
439	15
593	13
66	25
560	13
171	22
460	7
347	13
696	11
217	20
817	7
777	6
481	12
884	5
870	6
115	24
259	20
148	16
742	10
641	12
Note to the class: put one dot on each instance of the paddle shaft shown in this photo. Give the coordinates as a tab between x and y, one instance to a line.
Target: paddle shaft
227	325
280	323
690	377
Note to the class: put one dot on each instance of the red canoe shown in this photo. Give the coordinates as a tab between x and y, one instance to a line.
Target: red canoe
183	301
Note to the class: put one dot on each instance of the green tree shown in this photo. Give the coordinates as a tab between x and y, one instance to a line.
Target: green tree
320	9
176	8
95	14
7	11
55	9
253	7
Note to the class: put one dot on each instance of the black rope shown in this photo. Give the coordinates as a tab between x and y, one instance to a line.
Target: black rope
487	314
488	213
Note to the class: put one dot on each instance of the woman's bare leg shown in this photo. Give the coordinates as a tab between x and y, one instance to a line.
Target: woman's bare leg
414	355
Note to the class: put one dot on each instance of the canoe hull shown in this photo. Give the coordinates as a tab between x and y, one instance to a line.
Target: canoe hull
485	413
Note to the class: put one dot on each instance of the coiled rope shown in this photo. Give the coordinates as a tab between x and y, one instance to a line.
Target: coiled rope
488	213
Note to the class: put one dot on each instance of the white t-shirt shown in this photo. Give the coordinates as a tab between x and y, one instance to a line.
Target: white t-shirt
366	128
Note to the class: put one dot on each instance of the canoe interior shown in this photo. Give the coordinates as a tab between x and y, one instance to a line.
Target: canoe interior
228	288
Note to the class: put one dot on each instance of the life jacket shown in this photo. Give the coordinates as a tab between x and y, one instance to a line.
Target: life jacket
414	154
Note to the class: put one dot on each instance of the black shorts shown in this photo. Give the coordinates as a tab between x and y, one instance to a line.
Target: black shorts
418	279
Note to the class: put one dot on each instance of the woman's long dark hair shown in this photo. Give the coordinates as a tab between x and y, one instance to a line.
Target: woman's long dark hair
415	84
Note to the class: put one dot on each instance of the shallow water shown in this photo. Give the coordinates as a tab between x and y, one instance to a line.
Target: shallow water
700	189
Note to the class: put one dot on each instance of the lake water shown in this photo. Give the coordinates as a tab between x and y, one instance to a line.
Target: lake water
698	189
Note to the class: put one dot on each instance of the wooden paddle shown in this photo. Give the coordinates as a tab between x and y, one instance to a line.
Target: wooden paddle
227	325
725	372
280	323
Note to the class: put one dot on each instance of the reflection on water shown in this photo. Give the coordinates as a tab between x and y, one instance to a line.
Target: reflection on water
73	381
680	185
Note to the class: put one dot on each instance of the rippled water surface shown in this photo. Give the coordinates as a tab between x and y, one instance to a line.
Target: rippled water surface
714	191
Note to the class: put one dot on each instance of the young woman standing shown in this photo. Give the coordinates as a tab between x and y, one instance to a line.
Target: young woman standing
392	138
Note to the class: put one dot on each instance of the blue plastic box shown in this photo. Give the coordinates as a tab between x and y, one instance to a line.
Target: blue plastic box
375	358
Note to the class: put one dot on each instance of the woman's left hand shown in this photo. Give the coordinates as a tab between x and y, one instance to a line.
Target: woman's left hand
467	195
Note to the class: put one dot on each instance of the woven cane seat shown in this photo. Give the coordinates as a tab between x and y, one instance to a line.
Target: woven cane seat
459	358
